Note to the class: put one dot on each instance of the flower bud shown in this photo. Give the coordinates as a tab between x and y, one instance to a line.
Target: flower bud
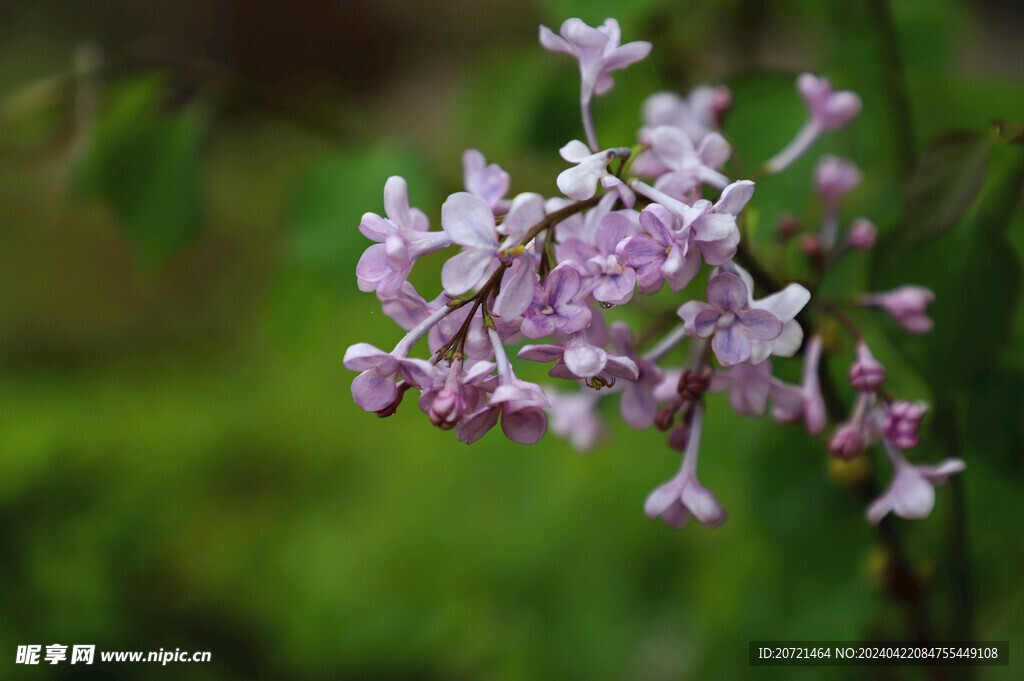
693	385
835	178
867	374
445	410
721	102
907	305
664	419
789	226
862	235
678	438
847	442
902	423
811	246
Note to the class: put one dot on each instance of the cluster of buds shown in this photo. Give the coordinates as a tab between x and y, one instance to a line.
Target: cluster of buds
538	277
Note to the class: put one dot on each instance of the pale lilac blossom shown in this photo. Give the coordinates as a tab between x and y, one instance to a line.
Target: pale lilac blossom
683	497
608	279
867	374
862	235
828	110
519	404
599	54
902	423
697	114
573	416
908	305
689	166
402	237
555	306
729	320
456	391
835	178
488	181
580	182
807	404
577	358
638	404
469	223
911	494
750	386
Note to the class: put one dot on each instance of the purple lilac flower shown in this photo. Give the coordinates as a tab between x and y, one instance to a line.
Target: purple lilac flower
659	255
577	358
402	237
698	114
375	388
902	423
469	222
854	435
835	178
456	391
608	279
580	181
683	496
785	305
847	442
711	227
911	494
688	166
808	403
489	182
638	404
406	307
867	374
750	386
728	319
599	54
908	305
555	306
519	404
828	110
862	235
574	417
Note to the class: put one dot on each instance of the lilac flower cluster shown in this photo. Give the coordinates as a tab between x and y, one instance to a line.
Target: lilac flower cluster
541	274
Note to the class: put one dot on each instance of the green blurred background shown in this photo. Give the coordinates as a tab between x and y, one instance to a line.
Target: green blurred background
181	463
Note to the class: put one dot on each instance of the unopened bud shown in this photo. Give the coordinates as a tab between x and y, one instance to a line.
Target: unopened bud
811	246
444	410
902	423
693	385
867	374
789	226
847	442
678	438
664	419
862	235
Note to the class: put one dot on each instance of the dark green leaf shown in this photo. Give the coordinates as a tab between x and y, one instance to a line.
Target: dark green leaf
322	218
946	181
146	167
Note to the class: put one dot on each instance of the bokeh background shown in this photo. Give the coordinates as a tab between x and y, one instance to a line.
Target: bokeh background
181	463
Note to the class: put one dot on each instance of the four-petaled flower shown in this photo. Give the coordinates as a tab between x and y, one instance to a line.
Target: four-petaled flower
555	306
729	320
683	496
597	50
375	388
912	492
402	238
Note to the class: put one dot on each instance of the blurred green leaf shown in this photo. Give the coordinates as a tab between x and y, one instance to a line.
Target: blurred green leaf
975	274
322	217
945	183
145	165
